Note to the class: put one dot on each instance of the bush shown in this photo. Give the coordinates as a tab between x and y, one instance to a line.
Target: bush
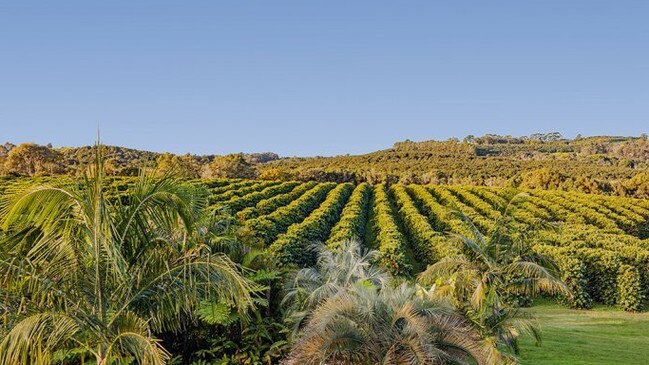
390	241
573	273
351	226
292	246
629	291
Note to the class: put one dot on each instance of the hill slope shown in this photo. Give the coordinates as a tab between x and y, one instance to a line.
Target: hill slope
594	164
606	165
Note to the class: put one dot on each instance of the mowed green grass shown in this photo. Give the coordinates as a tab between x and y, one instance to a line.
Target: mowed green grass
595	337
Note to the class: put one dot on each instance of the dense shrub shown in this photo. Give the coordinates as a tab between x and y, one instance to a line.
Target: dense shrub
269	205
429	245
292	247
268	227
351	226
390	241
252	196
629	291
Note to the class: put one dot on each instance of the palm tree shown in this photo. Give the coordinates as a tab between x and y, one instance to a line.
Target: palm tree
492	270
223	335
349	314
335	272
89	276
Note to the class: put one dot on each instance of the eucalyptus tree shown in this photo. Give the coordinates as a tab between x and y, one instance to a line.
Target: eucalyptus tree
89	276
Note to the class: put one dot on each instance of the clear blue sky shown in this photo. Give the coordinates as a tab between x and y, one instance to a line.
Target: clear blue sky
318	77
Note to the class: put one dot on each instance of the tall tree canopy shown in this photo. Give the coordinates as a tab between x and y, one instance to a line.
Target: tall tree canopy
182	166
231	166
31	159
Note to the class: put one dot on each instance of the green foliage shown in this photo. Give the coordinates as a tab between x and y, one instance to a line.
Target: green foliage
266	228
345	312
270	204
449	200
243	200
409	224
231	166
223	335
582	209
31	159
119	160
543	178
440	216
637	186
573	274
96	277
185	166
604	165
389	240
292	247
480	206
243	189
216	313
493	270
224	186
629	291
351	226
429	245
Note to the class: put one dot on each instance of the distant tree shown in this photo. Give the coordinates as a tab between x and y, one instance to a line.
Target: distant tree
435	176
180	166
543	178
31	159
553	136
469	139
274	173
5	148
409	178
635	150
230	166
262	157
586	184
3	170
638	186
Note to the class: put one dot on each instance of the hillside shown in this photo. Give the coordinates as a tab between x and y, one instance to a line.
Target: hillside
595	164
605	165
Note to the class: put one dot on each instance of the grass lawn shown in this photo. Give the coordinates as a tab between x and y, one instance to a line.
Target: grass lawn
595	337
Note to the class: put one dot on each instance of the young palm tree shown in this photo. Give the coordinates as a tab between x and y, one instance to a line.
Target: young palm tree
223	335
491	271
335	272
87	276
350	315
